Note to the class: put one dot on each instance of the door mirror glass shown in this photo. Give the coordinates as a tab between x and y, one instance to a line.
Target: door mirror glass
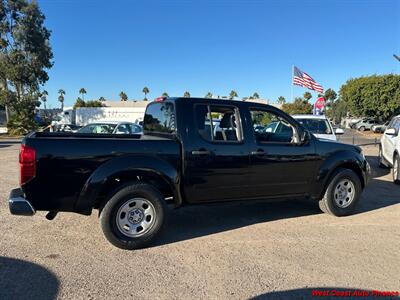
339	131
391	131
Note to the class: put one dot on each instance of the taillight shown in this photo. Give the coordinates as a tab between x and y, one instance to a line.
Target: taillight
27	163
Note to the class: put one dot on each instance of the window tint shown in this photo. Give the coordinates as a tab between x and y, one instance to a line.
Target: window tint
269	127
160	117
218	123
317	126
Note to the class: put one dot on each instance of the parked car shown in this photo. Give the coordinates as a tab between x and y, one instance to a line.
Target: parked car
110	127
365	125
319	126
181	160
389	148
379	128
355	122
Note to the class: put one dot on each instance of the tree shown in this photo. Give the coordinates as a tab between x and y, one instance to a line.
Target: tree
256	95
330	95
94	103
281	100
233	95
79	103
376	96
123	96
25	57
102	99
91	103
145	91
208	95
61	93
307	96
43	98
165	94
82	92
299	106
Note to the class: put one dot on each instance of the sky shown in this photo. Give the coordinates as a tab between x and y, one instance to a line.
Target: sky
215	46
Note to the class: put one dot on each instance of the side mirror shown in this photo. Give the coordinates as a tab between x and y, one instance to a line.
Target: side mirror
339	131
391	131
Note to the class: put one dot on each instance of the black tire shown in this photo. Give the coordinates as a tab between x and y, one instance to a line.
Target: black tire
381	159
362	128
108	216
396	165
328	204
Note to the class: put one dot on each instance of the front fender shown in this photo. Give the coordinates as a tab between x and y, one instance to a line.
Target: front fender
113	167
345	159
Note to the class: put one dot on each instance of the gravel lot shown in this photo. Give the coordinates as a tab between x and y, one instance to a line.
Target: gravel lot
234	251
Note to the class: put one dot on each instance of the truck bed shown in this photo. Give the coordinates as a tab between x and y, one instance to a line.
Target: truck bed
65	161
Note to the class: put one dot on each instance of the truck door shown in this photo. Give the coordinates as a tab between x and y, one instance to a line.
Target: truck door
216	156
279	164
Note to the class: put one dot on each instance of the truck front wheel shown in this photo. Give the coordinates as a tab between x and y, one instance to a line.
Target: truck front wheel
133	217
342	193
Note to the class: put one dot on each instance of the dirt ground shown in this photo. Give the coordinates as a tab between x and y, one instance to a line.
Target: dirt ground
235	251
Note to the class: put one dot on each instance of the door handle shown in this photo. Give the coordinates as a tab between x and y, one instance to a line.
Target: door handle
258	152
200	152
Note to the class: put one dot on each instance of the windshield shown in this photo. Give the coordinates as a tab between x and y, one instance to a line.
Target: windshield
98	128
317	126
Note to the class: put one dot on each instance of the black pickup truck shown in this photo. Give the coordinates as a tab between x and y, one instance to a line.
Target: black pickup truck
193	151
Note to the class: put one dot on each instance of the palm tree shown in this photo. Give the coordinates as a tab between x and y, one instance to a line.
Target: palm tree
281	100
307	96
208	95
44	98
165	94
232	95
123	96
145	91
256	95
82	91
102	99
186	94
61	93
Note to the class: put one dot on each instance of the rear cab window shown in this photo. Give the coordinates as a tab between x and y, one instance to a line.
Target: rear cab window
160	118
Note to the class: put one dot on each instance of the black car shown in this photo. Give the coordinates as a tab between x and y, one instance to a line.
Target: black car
193	151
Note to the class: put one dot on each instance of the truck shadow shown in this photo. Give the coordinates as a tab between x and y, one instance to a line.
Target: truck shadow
201	220
25	280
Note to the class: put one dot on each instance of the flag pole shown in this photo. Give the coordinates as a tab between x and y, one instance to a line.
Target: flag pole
292	81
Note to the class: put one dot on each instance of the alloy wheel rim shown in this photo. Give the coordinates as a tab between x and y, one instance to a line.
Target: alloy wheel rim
344	193
136	217
396	169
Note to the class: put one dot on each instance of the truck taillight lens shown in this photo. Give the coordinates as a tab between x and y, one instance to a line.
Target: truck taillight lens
27	163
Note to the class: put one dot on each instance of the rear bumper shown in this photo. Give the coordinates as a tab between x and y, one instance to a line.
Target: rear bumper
18	205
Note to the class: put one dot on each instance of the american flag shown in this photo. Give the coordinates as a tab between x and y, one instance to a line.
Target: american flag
303	79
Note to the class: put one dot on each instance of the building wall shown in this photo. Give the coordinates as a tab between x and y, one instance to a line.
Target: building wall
86	115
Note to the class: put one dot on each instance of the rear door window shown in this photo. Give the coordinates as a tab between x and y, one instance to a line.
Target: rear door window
218	123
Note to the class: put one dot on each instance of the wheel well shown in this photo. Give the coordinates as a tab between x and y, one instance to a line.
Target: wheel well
355	168
126	178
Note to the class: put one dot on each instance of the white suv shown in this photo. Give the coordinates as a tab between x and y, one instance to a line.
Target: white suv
389	148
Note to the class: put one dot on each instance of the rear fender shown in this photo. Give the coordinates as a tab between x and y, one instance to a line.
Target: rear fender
110	170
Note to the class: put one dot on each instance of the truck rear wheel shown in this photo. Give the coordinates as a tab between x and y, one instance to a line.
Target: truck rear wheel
133	217
342	193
